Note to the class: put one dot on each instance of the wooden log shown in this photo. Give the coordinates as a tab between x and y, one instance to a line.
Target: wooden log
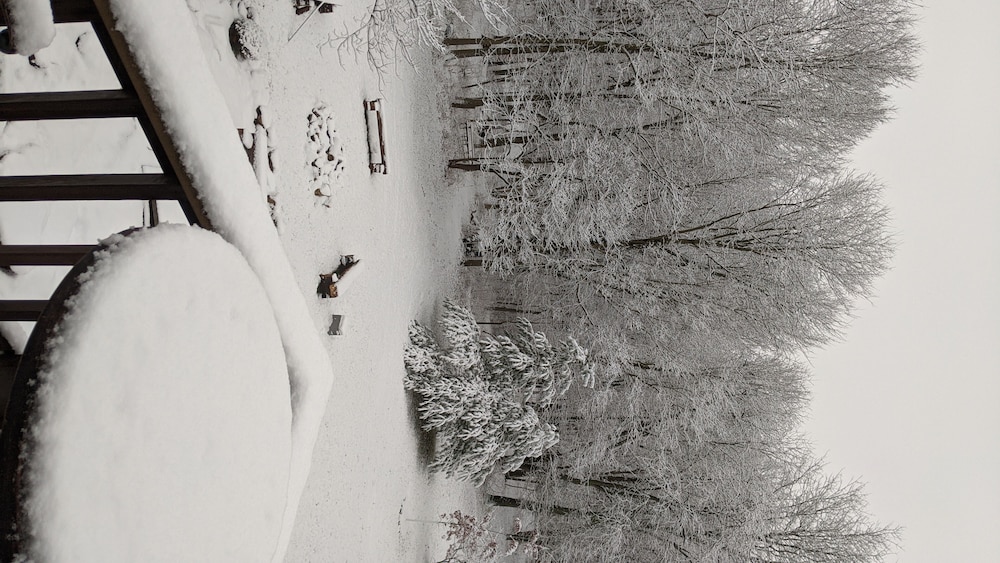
90	187
68	105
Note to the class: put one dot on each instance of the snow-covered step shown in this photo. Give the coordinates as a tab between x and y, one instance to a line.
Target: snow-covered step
69	105
88	187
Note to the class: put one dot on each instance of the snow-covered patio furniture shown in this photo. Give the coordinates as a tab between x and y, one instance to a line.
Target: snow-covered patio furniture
303	6
151	412
336	325
376	137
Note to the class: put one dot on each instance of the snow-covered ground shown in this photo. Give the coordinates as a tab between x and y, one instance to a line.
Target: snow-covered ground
368	496
368	491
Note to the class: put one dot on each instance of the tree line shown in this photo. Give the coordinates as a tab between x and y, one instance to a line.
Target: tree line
668	183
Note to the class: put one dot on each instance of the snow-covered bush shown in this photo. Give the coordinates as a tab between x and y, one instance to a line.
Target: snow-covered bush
479	391
247	39
471	540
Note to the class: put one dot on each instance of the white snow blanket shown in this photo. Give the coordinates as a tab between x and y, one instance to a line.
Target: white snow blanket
166	47
162	430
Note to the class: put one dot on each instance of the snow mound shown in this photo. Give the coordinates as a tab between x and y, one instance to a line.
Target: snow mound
31	26
162	431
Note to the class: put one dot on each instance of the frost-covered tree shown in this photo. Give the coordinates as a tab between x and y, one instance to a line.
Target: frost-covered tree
667	177
686	158
480	391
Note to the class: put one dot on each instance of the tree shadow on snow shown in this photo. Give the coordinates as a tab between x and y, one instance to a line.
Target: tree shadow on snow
426	441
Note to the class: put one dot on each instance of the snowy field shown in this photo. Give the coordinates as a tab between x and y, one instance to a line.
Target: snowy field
368	496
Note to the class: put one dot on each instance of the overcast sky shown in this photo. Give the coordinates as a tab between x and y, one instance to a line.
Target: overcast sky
910	400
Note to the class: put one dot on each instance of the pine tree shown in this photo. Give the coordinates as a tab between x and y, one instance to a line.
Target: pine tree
480	391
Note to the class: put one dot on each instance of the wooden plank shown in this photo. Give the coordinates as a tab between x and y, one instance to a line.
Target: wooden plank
90	187
21	310
68	105
117	65
42	254
68	11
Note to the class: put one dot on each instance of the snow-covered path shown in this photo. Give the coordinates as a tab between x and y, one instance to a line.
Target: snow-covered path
368	484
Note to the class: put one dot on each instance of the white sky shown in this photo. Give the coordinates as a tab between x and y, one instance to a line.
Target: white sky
910	400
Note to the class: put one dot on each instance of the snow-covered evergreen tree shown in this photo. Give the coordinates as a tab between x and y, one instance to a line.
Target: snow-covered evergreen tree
479	391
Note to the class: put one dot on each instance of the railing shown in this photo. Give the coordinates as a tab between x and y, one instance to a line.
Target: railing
131	100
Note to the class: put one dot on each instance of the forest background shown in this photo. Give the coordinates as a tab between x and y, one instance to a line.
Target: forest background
740	243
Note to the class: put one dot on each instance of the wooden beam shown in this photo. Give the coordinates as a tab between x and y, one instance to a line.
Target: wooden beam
63	11
43	254
90	187
68	11
21	310
68	105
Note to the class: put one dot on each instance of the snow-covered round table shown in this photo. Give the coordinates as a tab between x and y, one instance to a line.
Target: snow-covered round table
159	426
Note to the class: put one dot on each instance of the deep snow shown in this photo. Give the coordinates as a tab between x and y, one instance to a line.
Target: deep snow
161	431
